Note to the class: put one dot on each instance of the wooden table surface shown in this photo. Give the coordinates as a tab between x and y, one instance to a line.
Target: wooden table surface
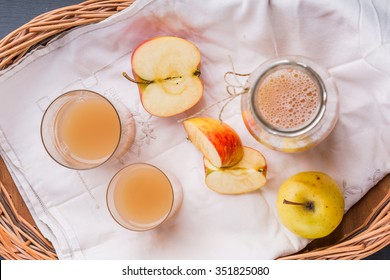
17	12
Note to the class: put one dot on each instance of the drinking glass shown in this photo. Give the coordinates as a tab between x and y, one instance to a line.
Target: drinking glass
141	197
82	129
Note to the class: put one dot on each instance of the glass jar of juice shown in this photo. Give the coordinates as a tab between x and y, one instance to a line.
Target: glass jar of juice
292	104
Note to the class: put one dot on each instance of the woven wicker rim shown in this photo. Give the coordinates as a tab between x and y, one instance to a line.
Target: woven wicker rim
16	44
20	240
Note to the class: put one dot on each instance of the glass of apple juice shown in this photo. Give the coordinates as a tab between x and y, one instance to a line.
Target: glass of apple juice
141	197
292	104
82	129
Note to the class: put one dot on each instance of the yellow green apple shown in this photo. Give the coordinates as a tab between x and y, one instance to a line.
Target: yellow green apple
166	70
247	175
310	204
217	141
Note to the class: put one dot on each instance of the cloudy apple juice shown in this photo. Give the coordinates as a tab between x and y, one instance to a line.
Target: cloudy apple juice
88	128
292	104
82	129
288	99
141	196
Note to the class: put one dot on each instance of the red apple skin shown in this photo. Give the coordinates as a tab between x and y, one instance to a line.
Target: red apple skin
223	137
264	168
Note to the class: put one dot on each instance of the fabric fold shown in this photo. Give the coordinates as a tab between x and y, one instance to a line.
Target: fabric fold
348	38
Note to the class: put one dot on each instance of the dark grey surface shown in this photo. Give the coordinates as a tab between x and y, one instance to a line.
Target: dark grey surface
14	13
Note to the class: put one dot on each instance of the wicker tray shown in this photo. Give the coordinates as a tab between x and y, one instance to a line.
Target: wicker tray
364	230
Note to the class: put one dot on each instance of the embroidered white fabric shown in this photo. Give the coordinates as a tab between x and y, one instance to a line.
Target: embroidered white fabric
349	38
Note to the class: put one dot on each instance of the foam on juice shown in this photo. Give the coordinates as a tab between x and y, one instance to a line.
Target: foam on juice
288	99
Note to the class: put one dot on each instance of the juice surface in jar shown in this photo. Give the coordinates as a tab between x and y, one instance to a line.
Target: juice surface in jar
288	99
292	104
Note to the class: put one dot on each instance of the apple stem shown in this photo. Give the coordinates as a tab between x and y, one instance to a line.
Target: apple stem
124	74
309	205
146	82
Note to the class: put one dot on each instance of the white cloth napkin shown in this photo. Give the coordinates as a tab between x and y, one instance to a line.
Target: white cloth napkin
350	38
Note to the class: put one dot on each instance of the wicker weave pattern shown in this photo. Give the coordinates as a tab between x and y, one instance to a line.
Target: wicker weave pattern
375	237
43	27
20	240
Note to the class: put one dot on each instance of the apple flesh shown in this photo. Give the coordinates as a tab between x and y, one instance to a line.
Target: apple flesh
246	176
218	142
166	70
310	204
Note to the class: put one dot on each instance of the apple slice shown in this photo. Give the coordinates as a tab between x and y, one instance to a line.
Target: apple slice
246	176
166	70
217	141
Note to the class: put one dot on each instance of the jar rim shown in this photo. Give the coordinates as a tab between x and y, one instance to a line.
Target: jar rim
303	64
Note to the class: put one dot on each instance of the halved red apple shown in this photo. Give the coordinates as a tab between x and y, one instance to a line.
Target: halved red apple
218	142
166	70
246	176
